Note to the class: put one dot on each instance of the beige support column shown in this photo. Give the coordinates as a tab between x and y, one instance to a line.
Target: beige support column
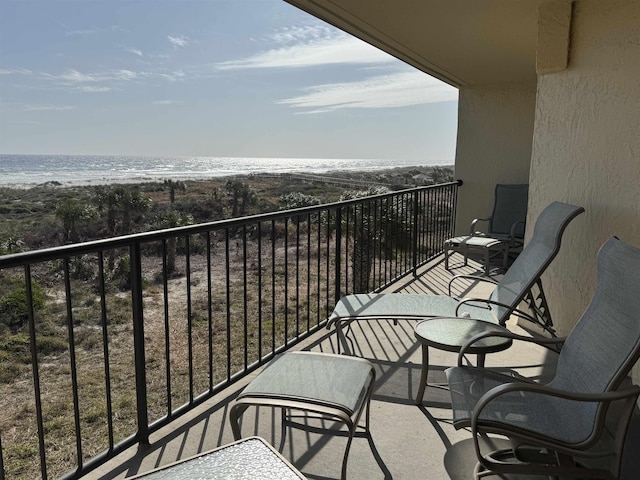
495	132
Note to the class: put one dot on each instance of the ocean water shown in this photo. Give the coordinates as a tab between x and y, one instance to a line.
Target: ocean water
30	170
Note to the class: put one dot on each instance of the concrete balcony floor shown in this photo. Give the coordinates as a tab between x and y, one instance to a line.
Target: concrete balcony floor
409	441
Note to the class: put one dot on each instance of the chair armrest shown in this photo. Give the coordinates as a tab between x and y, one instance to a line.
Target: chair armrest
476	220
331	322
512	311
470	277
630	394
514	227
507	334
488	302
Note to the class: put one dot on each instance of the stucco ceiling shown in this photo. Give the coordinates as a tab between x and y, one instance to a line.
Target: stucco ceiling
463	42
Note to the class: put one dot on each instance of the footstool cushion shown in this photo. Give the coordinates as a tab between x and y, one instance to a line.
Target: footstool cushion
336	386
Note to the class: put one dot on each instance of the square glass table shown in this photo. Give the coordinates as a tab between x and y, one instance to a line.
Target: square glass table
249	459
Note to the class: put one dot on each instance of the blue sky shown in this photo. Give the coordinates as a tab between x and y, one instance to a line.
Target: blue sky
241	78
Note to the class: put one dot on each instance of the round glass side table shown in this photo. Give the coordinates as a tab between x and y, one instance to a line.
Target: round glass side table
451	334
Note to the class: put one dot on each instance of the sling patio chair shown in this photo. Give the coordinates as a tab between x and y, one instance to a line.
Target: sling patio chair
516	286
504	232
559	428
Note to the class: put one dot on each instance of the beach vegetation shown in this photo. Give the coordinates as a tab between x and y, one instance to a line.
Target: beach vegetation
14	304
241	196
378	229
294	200
120	203
11	244
174	186
71	211
234	284
441	175
172	219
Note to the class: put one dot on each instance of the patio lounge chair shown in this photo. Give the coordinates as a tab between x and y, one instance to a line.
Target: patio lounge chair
515	286
505	230
555	426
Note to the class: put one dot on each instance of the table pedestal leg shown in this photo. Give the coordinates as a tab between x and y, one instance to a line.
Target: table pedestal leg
481	357
424	375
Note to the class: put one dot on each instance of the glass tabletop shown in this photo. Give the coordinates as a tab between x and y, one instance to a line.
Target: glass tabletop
451	333
248	459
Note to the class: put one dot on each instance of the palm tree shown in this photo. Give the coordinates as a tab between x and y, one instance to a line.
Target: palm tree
71	211
174	185
441	175
375	228
172	219
120	202
241	196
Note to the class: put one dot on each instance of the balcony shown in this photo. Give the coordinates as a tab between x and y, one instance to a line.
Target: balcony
117	338
148	338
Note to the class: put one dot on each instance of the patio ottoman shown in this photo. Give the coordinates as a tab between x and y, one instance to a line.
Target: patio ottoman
477	243
320	384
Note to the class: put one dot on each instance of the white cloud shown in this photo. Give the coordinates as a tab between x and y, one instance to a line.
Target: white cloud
173	76
89	31
178	41
124	75
45	107
296	34
15	71
165	102
75	77
384	91
86	31
135	51
92	89
311	46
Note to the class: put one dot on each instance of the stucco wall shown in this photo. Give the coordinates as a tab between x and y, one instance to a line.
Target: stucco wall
495	132
586	147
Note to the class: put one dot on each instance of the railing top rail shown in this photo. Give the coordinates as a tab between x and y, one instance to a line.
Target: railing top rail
52	253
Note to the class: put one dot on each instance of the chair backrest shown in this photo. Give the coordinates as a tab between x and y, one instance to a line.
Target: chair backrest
509	207
605	343
534	258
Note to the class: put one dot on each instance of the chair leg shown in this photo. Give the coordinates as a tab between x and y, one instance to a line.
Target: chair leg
283	433
486	262
446	256
234	418
505	258
352	431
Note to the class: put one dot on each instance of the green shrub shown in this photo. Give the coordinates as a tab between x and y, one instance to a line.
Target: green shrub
50	344
14	307
10	371
16	348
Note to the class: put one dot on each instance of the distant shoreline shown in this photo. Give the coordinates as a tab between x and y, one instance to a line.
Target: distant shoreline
346	175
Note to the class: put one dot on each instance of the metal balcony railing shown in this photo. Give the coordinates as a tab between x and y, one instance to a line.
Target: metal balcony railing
118	337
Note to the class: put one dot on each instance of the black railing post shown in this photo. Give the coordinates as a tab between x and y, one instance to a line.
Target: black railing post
35	371
455	205
414	229
338	273
138	342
